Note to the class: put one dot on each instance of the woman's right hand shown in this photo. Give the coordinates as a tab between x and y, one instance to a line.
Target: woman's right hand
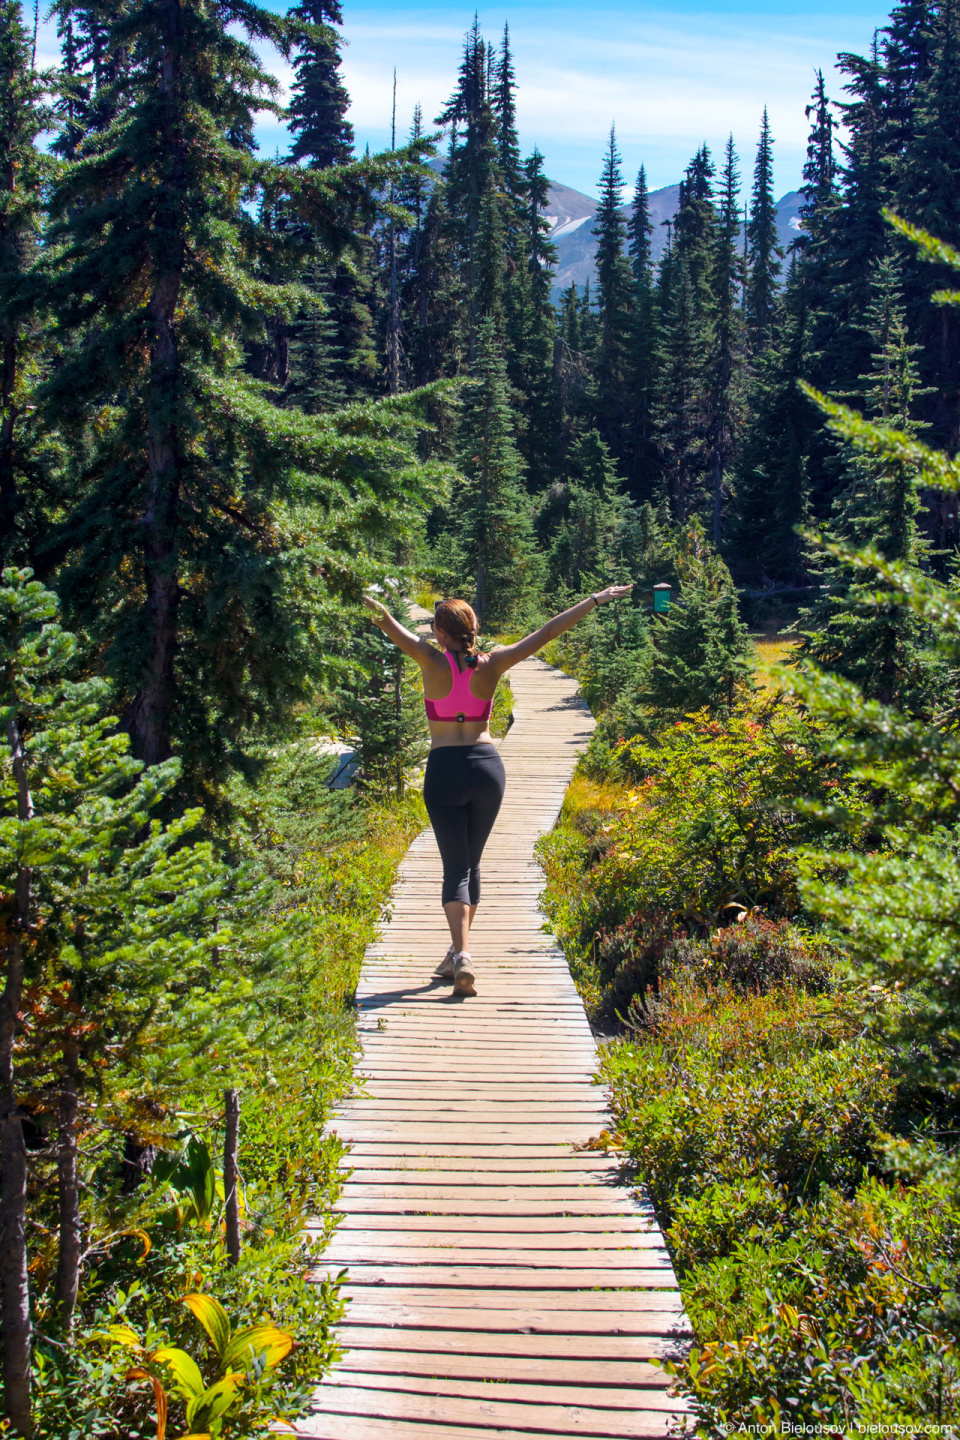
612	592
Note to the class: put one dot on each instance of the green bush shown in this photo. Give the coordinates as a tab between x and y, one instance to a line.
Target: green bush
725	1087
845	1310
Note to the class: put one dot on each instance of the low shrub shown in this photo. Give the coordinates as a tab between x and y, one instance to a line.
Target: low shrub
846	1311
724	1088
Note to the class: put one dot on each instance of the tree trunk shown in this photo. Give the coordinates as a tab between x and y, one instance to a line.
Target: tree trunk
231	1174
14	1279
68	1190
152	710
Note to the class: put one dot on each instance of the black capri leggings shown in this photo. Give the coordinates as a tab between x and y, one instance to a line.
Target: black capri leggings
462	790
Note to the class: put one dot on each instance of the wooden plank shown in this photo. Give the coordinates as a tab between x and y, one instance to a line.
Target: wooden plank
365	1427
615	1307
524	1368
594	1395
567	1420
494	1277
521	1331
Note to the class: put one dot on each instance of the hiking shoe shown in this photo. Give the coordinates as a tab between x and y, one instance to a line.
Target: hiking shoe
444	970
463	976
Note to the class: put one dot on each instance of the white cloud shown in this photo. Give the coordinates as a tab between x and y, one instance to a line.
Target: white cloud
668	82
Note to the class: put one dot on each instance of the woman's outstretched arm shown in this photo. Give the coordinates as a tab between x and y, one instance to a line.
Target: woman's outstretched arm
508	655
410	644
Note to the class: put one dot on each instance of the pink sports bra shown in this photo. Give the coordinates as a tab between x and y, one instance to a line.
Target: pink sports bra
461	704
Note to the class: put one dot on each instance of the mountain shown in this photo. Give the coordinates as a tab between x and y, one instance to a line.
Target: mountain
571	213
571	228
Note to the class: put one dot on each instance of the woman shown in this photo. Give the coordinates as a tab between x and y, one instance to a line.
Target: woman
463	786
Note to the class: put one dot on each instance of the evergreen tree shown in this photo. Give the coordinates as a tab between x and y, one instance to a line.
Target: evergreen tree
613	305
510	171
585	520
641	467
530	328
471	165
771	486
930	197
23	118
96	56
680	413
879	646
493	514
700	646
724	387
763	254
319	102
182	557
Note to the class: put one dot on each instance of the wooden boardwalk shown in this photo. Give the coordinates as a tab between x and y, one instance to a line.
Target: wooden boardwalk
501	1283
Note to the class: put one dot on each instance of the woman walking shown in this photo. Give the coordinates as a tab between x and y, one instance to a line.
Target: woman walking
464	781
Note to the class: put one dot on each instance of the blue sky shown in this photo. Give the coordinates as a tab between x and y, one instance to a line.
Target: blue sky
668	78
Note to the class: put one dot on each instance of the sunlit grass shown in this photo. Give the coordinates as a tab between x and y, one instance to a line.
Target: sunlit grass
771	651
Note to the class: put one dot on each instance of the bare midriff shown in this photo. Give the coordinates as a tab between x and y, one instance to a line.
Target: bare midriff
459	732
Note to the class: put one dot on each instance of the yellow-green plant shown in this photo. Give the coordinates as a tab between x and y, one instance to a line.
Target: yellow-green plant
242	1357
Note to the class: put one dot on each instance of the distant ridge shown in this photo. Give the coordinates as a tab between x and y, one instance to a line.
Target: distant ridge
571	220
571	213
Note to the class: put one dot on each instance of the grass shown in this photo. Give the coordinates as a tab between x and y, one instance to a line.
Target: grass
771	651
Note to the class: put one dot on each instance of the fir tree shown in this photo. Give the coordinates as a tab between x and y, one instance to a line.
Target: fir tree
764	254
492	511
643	343
613	303
183	559
728	336
879	646
319	101
771	484
471	166
510	176
930	197
23	118
701	645
530	328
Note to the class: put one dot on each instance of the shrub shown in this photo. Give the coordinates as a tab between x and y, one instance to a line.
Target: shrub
724	1088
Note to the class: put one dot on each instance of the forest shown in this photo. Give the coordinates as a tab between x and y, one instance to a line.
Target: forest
237	391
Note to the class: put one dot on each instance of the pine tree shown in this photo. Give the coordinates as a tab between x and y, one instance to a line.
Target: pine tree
724	383
588	521
641	466
530	328
681	413
510	171
613	304
95	59
319	101
930	197
23	172
771	483
701	644
471	166
878	646
182	557
493	513
764	254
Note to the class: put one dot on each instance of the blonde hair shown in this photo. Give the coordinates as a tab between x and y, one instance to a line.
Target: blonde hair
457	619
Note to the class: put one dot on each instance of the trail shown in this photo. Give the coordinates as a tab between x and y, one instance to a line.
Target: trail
502	1283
